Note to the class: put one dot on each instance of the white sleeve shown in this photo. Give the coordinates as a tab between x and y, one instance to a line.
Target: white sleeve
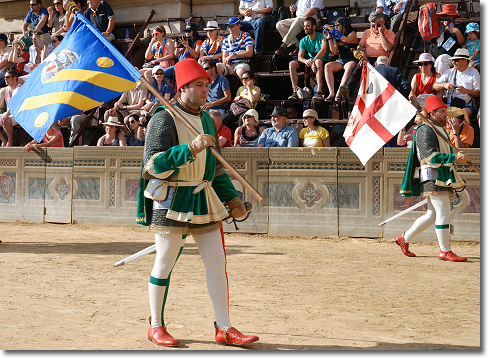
319	4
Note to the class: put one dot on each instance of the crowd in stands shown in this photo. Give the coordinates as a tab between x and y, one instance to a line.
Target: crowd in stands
450	70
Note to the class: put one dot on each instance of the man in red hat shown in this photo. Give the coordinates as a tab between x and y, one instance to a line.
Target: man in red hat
189	186
430	173
451	35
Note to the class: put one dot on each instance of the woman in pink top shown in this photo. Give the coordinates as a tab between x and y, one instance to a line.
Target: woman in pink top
53	138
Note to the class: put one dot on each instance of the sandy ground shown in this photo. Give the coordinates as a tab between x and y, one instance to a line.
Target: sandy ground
60	292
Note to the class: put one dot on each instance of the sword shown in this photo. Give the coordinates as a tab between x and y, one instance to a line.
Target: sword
152	248
423	202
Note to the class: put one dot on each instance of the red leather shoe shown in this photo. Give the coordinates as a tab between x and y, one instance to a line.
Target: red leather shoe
450	256
160	336
233	336
400	241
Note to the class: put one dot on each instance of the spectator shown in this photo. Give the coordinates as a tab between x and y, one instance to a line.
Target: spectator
211	48
58	20
224	134
313	135
280	135
473	44
55	41
163	87
37	16
405	138
450	39
4	55
314	44
249	91
458	124
254	12
376	41
136	135
462	83
247	135
76	122
393	75
392	12
236	49
422	84
52	138
112	137
346	41
6	119
218	91
19	56
161	50
290	28
189	46
130	102
101	15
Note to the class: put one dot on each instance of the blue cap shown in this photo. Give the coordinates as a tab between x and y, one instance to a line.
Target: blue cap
472	26
233	21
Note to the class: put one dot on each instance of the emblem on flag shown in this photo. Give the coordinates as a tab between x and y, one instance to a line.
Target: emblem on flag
380	111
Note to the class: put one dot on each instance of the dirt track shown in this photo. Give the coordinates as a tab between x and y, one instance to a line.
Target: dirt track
60	290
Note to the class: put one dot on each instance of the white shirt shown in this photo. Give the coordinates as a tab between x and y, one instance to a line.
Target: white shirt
304	5
469	79
255	5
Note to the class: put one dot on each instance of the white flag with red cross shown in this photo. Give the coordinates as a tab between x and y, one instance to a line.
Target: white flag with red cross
379	113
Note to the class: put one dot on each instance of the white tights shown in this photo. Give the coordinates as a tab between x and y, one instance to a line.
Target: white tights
212	250
438	211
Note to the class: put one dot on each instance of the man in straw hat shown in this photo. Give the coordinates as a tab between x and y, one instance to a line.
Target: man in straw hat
193	187
430	173
458	123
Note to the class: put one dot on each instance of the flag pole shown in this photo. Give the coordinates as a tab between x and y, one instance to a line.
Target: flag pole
413	207
428	121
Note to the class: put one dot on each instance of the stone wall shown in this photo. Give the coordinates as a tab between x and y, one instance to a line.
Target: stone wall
308	191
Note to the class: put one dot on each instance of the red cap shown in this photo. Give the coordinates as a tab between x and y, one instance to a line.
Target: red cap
188	70
433	102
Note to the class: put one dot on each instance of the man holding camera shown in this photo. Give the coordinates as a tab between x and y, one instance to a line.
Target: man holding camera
392	12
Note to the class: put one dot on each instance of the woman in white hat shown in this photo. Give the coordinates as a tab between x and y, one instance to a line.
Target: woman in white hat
112	137
211	48
423	82
247	135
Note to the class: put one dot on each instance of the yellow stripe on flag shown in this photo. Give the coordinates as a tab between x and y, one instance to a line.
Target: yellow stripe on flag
73	99
100	79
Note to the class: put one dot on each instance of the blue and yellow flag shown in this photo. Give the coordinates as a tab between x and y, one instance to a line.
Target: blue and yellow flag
84	71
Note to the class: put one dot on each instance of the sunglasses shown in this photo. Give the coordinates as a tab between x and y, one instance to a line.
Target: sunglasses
159	73
458	59
58	3
132	122
308	117
423	63
156	34
54	41
245	79
207	68
248	116
336	25
231	26
33	5
8	76
376	25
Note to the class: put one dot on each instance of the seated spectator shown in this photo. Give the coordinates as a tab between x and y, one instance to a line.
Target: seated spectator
473	44
392	12
218	91
101	15
37	16
250	92
422	84
392	75
247	135
4	55
313	135
113	136
55	41
58	20
7	120
236	49
462	83
290	28
224	134
347	40
189	45
136	136
405	138
162	86
376	41
19	56
458	124
160	51
129	102
211	48
254	12
52	138
76	122
280	134
450	39
315	46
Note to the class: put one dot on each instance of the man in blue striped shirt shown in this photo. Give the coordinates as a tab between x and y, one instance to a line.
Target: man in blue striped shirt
237	49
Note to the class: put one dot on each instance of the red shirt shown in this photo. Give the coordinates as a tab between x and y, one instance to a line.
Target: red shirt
428	88
225	132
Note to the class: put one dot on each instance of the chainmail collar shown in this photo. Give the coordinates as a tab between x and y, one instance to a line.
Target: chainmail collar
185	109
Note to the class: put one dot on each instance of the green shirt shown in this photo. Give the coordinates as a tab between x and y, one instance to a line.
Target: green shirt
312	47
